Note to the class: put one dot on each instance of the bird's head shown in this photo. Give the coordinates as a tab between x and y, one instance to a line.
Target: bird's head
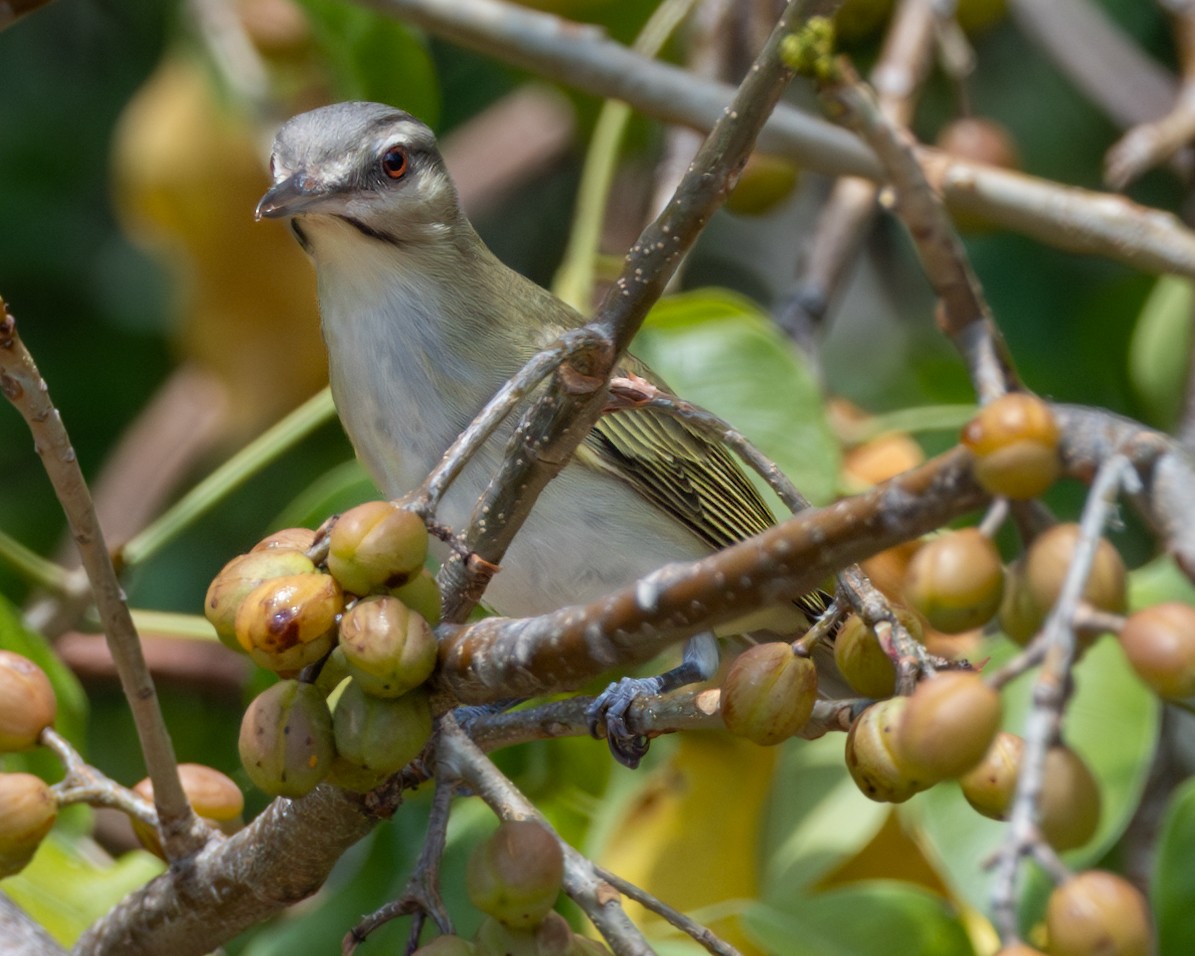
365	165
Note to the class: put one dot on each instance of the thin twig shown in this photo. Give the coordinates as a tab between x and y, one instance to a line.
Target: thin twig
964	315
466	761
1041	727
22	384
421	896
584	58
85	784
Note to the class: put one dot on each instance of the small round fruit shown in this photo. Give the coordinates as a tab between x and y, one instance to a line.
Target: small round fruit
990	785
1049	558
1020	616
1096	913
377	734
212	795
881	458
516	874
27	702
1015	443
289	622
1159	642
286	741
241	575
765	182
950	722
28	810
294	539
956	581
870	757
1069	805
447	945
422	595
389	648
376	545
768	693
979	140
862	661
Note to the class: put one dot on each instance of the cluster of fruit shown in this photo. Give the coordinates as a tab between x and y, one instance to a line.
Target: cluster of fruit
28	807
514	877
365	621
949	728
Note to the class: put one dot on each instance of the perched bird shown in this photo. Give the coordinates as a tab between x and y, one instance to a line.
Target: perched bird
424	324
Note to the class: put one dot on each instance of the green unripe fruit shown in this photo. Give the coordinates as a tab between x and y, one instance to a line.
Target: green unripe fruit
1020	616
380	735
335	670
990	785
240	576
1159	642
870	755
287	623
956	581
28	810
1049	559
422	595
769	693
516	874
376	545
552	937
389	648
286	741
862	661
1015	443
1069	804
1096	913
27	702
951	720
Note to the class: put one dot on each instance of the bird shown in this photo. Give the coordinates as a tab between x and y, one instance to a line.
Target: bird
424	324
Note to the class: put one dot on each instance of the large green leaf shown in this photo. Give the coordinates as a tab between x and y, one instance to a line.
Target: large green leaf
66	890
374	57
817	818
880	918
1173	886
718	350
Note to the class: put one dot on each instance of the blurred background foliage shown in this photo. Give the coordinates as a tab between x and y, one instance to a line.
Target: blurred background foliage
132	145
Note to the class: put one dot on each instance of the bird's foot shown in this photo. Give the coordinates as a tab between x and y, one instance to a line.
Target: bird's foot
608	717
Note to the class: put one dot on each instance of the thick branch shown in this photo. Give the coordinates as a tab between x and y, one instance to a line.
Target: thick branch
282	857
500	657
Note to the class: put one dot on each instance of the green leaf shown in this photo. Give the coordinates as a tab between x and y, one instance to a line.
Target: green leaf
1112	722
65	890
718	350
817	818
879	918
1173	884
374	57
335	491
1160	348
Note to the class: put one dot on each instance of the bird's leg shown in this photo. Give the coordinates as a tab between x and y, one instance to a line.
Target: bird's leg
608	712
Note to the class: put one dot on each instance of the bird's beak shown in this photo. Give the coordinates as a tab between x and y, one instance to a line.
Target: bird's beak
288	197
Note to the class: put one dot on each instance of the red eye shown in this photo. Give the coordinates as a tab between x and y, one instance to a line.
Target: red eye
394	162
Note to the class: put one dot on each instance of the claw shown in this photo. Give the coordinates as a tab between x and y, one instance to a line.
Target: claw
607	717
